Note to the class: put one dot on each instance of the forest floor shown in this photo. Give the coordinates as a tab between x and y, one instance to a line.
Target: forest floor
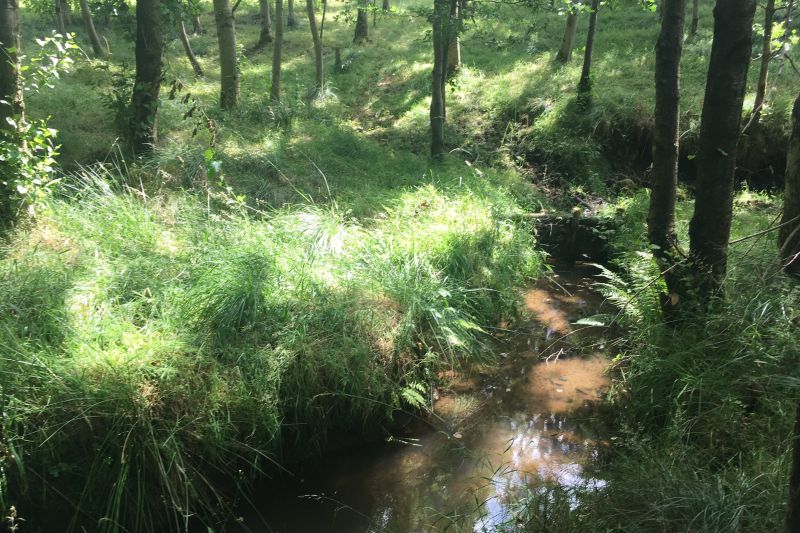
209	327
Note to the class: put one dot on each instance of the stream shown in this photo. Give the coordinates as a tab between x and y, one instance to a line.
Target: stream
495	434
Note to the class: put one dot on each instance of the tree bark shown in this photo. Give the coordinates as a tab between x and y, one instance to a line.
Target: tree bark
197	26
291	20
275	90
568	41
67	12
362	23
266	25
10	81
61	20
793	506
454	44
661	216
720	127
695	17
13	104
229	70
441	21
789	235
187	48
317	39
149	47
766	56
585	83
88	22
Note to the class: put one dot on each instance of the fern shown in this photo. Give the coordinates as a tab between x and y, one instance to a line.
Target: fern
635	289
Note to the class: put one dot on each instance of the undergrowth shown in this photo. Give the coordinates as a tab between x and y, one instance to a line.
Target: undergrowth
160	351
705	402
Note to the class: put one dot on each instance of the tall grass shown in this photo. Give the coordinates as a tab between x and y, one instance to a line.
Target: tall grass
706	403
159	352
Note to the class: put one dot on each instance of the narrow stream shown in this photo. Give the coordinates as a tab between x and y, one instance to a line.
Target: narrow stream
500	432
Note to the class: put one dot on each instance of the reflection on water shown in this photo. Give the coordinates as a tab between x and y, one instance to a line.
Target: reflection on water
501	434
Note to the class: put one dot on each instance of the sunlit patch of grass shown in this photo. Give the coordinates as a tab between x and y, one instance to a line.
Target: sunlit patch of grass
161	344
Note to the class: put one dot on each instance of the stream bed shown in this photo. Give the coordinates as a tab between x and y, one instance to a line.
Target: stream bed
495	434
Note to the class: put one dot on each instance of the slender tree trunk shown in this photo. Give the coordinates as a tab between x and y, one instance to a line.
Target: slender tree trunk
789	235
695	17
61	21
568	41
197	26
362	23
454	45
661	217
315	36
149	46
440	46
766	56
585	83
720	127
793	506
275	90
266	25
12	103
229	70
291	20
787	24
88	22
187	47
65	9
386	5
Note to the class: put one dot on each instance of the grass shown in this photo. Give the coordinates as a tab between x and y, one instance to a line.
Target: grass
166	337
705	407
152	344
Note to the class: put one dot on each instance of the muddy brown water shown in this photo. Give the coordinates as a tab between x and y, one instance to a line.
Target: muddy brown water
494	434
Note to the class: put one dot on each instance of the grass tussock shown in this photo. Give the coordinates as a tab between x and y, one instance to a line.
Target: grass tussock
156	345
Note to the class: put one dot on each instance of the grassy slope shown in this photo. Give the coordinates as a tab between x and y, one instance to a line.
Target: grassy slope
160	347
186	332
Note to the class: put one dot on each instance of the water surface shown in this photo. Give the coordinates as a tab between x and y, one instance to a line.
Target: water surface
493	435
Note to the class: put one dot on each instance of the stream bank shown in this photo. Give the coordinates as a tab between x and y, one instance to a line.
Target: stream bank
494	433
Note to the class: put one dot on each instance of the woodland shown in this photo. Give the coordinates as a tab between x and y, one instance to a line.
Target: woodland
244	240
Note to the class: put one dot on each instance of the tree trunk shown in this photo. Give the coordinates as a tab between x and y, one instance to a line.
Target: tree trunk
719	136
787	24
568	41
789	235
149	46
275	90
88	22
10	81
12	104
793	506
453	56
440	46
67	12
229	70
197	26
315	36
61	22
454	44
187	47
661	217
266	25
386	5
766	56
695	17
291	20
362	23
585	83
